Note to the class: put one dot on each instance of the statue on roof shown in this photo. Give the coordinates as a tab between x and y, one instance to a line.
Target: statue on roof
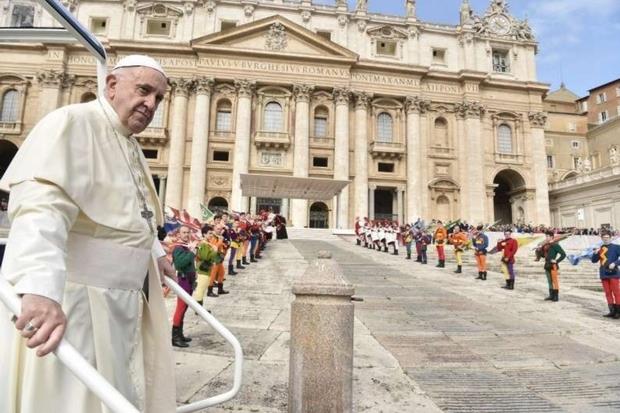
410	8
498	6
362	5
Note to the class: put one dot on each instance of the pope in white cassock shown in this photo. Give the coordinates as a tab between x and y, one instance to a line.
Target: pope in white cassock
83	209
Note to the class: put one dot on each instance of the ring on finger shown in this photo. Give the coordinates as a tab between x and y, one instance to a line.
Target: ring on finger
29	328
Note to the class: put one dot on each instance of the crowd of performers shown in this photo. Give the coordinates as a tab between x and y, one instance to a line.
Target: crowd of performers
386	236
203	254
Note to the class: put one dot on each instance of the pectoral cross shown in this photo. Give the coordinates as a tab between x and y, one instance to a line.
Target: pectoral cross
148	215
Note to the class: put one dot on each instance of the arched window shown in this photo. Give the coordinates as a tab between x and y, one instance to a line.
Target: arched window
504	139
87	97
9	106
223	122
321	114
273	117
441	132
384	127
158	117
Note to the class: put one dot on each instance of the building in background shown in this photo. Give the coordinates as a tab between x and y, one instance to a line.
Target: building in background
602	103
426	120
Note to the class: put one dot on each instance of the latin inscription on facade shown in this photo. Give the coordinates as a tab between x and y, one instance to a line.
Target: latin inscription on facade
273	159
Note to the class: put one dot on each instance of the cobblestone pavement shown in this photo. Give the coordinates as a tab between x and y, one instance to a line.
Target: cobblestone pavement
426	340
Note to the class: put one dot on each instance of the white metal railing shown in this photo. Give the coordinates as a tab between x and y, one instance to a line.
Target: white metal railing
96	383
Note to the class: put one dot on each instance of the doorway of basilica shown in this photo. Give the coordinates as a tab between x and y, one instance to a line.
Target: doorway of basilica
319	215
508	184
384	204
218	204
264	204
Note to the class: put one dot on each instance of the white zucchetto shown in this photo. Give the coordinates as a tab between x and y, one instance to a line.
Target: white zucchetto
135	60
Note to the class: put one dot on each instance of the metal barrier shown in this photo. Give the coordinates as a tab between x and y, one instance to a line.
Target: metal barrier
109	395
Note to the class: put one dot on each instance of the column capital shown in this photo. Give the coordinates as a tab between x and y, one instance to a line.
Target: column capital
414	104
204	85
469	110
182	86
372	187
245	88
362	99
51	78
302	92
342	95
537	119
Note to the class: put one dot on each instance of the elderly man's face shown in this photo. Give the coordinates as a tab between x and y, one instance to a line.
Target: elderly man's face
135	93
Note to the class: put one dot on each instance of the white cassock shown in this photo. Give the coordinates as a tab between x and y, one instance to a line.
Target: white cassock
78	238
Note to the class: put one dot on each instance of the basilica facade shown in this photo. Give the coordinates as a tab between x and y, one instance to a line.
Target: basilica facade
425	120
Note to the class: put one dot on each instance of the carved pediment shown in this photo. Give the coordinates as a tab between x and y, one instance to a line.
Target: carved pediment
387	32
159	10
271	36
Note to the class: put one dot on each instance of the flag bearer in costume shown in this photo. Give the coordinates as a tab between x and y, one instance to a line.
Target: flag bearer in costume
481	244
231	235
183	259
608	256
417	236
220	246
242	239
509	247
84	211
425	241
440	237
407	237
553	253
458	239
205	257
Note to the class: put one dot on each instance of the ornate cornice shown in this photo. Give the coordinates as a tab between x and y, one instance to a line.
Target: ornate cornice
245	88
469	109
414	104
302	92
538	119
52	78
342	95
204	85
182	86
362	100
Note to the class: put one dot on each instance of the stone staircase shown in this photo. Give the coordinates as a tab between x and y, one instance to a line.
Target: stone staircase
312	234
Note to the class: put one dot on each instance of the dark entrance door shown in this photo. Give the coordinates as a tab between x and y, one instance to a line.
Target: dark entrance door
384	204
264	204
319	215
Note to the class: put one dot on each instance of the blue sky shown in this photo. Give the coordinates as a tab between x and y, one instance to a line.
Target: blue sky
579	40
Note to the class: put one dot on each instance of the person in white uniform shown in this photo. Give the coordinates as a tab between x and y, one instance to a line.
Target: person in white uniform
84	211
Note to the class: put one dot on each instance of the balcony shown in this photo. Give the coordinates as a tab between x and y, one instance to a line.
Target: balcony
321	142
387	150
153	136
509	158
272	140
442	152
10	128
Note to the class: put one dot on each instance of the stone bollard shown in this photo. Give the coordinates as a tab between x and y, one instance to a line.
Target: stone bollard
321	347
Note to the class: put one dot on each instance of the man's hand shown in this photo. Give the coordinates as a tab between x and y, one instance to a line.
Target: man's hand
166	269
42	322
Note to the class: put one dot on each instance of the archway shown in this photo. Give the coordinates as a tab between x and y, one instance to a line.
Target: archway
384	204
319	215
508	183
7	152
217	204
444	212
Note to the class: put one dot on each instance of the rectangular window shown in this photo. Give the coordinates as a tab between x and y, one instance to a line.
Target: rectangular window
575	144
226	25
325	34
320	127
572	127
150	153
601	98
158	117
319	162
223	121
603	116
98	25
576	163
22	16
550	163
386	167
501	63
386	47
158	27
221	156
439	56
584	106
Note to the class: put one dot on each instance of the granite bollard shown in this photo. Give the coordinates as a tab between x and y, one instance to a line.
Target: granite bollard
321	347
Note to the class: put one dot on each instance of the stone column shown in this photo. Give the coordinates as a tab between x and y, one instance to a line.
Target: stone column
252	205
321	347
162	191
341	153
301	149
200	144
473	160
539	158
371	201
284	209
361	156
414	106
176	156
51	82
241	159
399	205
